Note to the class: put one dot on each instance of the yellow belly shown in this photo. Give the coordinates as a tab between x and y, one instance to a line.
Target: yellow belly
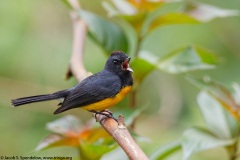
108	102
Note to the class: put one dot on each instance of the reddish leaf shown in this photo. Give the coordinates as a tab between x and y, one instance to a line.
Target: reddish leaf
132	11
65	125
92	142
56	140
146	5
225	97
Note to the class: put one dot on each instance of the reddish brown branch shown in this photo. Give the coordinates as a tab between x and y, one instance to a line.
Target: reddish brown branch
76	67
121	135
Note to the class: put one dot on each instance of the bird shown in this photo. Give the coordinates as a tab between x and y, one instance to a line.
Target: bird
95	93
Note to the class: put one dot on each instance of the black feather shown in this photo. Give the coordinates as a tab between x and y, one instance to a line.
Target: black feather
95	88
39	98
92	89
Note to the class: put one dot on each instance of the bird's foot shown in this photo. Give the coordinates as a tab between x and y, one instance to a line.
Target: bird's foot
105	112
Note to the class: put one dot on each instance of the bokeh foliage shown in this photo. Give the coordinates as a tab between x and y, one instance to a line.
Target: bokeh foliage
164	37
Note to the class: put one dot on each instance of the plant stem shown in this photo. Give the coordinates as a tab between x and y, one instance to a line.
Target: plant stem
133	93
139	41
133	98
232	150
79	153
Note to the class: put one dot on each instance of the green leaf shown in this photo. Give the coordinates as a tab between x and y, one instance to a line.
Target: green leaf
131	118
182	60
151	19
130	114
96	150
228	100
105	33
143	65
205	12
116	154
172	18
96	143
220	92
166	151
206	55
67	4
120	8
188	59
111	11
236	94
131	36
220	122
198	139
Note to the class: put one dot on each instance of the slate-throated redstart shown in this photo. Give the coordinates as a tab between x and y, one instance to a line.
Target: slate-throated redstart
96	92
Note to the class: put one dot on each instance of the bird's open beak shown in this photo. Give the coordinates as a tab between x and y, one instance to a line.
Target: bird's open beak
125	65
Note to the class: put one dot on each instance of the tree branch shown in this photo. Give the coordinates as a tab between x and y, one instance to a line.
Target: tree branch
76	66
121	135
118	131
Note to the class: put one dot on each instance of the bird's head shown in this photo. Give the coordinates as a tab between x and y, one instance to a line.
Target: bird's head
118	62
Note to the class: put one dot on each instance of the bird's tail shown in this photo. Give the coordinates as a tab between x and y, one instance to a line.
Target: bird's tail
39	98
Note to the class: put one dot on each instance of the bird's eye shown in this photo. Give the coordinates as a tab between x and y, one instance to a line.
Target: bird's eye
115	62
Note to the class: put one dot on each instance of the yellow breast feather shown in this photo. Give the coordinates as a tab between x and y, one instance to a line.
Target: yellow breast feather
108	102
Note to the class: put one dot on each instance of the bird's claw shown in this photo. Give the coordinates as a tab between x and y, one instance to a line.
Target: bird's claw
106	113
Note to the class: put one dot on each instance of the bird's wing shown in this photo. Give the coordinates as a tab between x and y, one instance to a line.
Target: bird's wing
92	89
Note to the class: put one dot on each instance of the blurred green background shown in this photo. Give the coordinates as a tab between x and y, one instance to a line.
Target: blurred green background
35	47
